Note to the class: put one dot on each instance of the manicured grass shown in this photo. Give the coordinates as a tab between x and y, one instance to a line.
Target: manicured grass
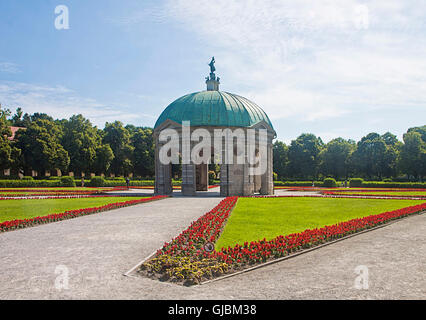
256	218
22	209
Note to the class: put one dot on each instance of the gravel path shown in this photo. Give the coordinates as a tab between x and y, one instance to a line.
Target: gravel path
98	249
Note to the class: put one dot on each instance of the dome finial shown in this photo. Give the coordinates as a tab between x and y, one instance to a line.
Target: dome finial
211	81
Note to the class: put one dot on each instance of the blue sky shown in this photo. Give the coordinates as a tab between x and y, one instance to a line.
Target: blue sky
335	68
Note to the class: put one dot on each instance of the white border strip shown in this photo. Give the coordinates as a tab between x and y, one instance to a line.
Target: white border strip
127	274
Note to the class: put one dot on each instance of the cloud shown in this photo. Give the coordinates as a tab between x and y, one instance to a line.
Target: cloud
9	67
315	61
62	102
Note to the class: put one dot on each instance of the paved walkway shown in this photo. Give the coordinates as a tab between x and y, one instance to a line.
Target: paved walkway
98	249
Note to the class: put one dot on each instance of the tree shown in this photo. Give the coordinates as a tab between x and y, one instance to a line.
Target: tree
118	137
9	154
41	148
335	158
421	130
390	159
280	154
303	156
369	156
143	152
17	120
103	159
412	158
81	140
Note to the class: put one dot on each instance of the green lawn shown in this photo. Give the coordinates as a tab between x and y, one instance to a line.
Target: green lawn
256	218
21	209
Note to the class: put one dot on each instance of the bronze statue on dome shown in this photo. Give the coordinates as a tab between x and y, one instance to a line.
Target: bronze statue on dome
211	64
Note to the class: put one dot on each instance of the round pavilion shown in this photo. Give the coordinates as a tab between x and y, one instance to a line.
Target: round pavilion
214	110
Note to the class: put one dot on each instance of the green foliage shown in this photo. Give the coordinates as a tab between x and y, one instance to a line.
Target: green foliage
67	181
335	157
303	155
76	145
356	182
412	158
27	178
330	183
381	184
280	159
118	137
298	183
9	154
29	183
81	140
96	182
103	159
143	150
212	176
41	148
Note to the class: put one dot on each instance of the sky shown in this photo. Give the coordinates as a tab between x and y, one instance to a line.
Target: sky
333	68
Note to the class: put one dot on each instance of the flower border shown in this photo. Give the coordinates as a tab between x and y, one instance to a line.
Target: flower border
185	260
24	223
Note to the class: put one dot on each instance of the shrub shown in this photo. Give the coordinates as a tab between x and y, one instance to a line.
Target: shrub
212	176
356	182
275	176
96	182
27	178
387	180
330	183
67	181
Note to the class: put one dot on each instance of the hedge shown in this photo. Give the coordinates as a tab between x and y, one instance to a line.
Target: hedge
356	182
380	184
29	183
67	181
330	183
298	183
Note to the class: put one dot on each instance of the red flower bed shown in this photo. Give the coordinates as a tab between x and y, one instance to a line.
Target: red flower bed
336	191
23	223
42	196
375	195
62	190
185	259
206	229
260	251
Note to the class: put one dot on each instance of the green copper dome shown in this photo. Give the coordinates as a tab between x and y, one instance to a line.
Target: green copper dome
214	108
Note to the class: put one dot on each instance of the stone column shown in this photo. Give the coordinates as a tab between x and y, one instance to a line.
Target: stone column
202	177
224	180
188	180
267	178
163	175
